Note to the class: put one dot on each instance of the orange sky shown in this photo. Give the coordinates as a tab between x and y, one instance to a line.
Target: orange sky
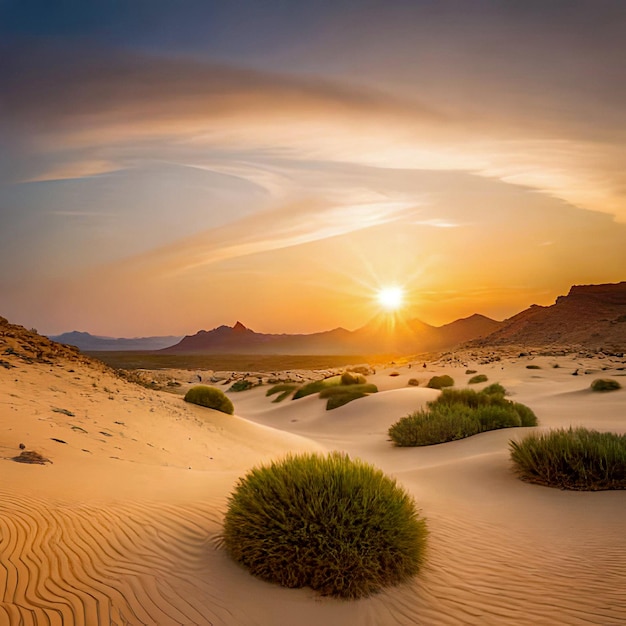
156	186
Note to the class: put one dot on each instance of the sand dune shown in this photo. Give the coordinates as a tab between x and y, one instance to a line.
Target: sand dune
123	526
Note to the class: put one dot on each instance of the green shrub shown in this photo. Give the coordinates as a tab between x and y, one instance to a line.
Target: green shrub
347	378
337	525
338	390
605	384
495	389
439	382
241	385
210	397
481	378
413	382
578	459
526	414
459	413
469	372
315	387
339	395
282	389
425	428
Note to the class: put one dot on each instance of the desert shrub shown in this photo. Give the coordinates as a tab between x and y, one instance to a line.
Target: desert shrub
339	395
439	382
526	414
459	413
605	384
315	387
533	367
413	382
337	525
425	428
241	385
210	397
394	374
578	459
469	372
495	389
283	390
495	416
361	369
480	378
347	378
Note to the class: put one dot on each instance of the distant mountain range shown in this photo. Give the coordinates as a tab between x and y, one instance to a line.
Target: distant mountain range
591	316
384	334
93	343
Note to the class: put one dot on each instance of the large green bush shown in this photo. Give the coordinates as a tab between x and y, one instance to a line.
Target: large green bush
210	397
337	525
459	413
605	384
439	382
578	459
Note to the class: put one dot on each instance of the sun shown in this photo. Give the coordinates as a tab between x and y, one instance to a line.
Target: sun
391	298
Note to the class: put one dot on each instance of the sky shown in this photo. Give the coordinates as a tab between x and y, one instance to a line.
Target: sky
167	167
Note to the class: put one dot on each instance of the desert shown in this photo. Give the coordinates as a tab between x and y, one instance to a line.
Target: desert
123	524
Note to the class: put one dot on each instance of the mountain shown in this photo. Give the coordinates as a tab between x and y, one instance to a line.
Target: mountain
592	316
385	334
88	342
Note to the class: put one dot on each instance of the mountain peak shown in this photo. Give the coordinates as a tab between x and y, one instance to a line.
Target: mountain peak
239	327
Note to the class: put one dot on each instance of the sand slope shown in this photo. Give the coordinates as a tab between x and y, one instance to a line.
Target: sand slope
123	526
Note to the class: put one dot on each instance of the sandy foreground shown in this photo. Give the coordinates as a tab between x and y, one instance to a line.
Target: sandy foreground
123	526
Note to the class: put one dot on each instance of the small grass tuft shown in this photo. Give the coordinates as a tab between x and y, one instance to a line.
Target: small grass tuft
241	385
605	384
210	397
577	459
439	382
342	394
315	387
413	382
480	378
533	367
337	525
283	390
348	378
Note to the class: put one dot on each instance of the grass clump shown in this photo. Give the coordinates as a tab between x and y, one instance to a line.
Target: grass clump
339	395
533	367
315	387
413	382
337	525
605	384
241	385
439	382
459	413
282	389
577	459
348	378
470	372
495	389
480	378
210	397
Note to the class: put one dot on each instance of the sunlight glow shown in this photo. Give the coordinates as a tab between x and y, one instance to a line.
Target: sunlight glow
391	298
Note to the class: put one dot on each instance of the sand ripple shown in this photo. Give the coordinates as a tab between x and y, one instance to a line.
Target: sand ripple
62	565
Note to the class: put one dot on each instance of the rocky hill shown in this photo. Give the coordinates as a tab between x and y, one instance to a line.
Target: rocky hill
590	316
